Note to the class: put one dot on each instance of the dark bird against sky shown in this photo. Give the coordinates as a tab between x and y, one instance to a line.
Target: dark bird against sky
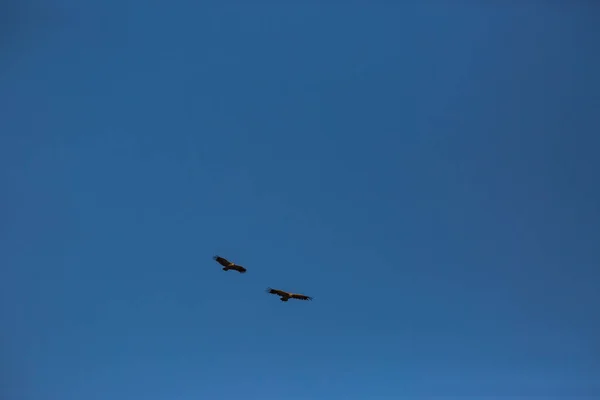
285	296
227	265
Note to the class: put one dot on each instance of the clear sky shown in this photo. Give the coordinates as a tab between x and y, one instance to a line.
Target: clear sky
425	172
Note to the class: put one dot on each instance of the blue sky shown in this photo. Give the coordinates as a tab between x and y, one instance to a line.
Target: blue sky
425	171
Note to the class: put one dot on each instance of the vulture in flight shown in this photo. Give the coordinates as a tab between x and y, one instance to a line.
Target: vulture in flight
285	296
227	265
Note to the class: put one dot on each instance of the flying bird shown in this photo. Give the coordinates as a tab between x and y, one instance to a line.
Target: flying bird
227	265
285	296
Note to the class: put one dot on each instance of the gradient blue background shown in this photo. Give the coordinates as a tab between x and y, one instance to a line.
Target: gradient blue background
429	173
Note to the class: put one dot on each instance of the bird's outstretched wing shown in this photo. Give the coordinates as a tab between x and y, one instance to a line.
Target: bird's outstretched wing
300	296
278	292
223	261
239	268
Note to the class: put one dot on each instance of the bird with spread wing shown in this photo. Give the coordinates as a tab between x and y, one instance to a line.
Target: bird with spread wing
285	296
227	265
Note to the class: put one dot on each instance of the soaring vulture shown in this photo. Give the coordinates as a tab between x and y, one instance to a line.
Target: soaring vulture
227	265
285	296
